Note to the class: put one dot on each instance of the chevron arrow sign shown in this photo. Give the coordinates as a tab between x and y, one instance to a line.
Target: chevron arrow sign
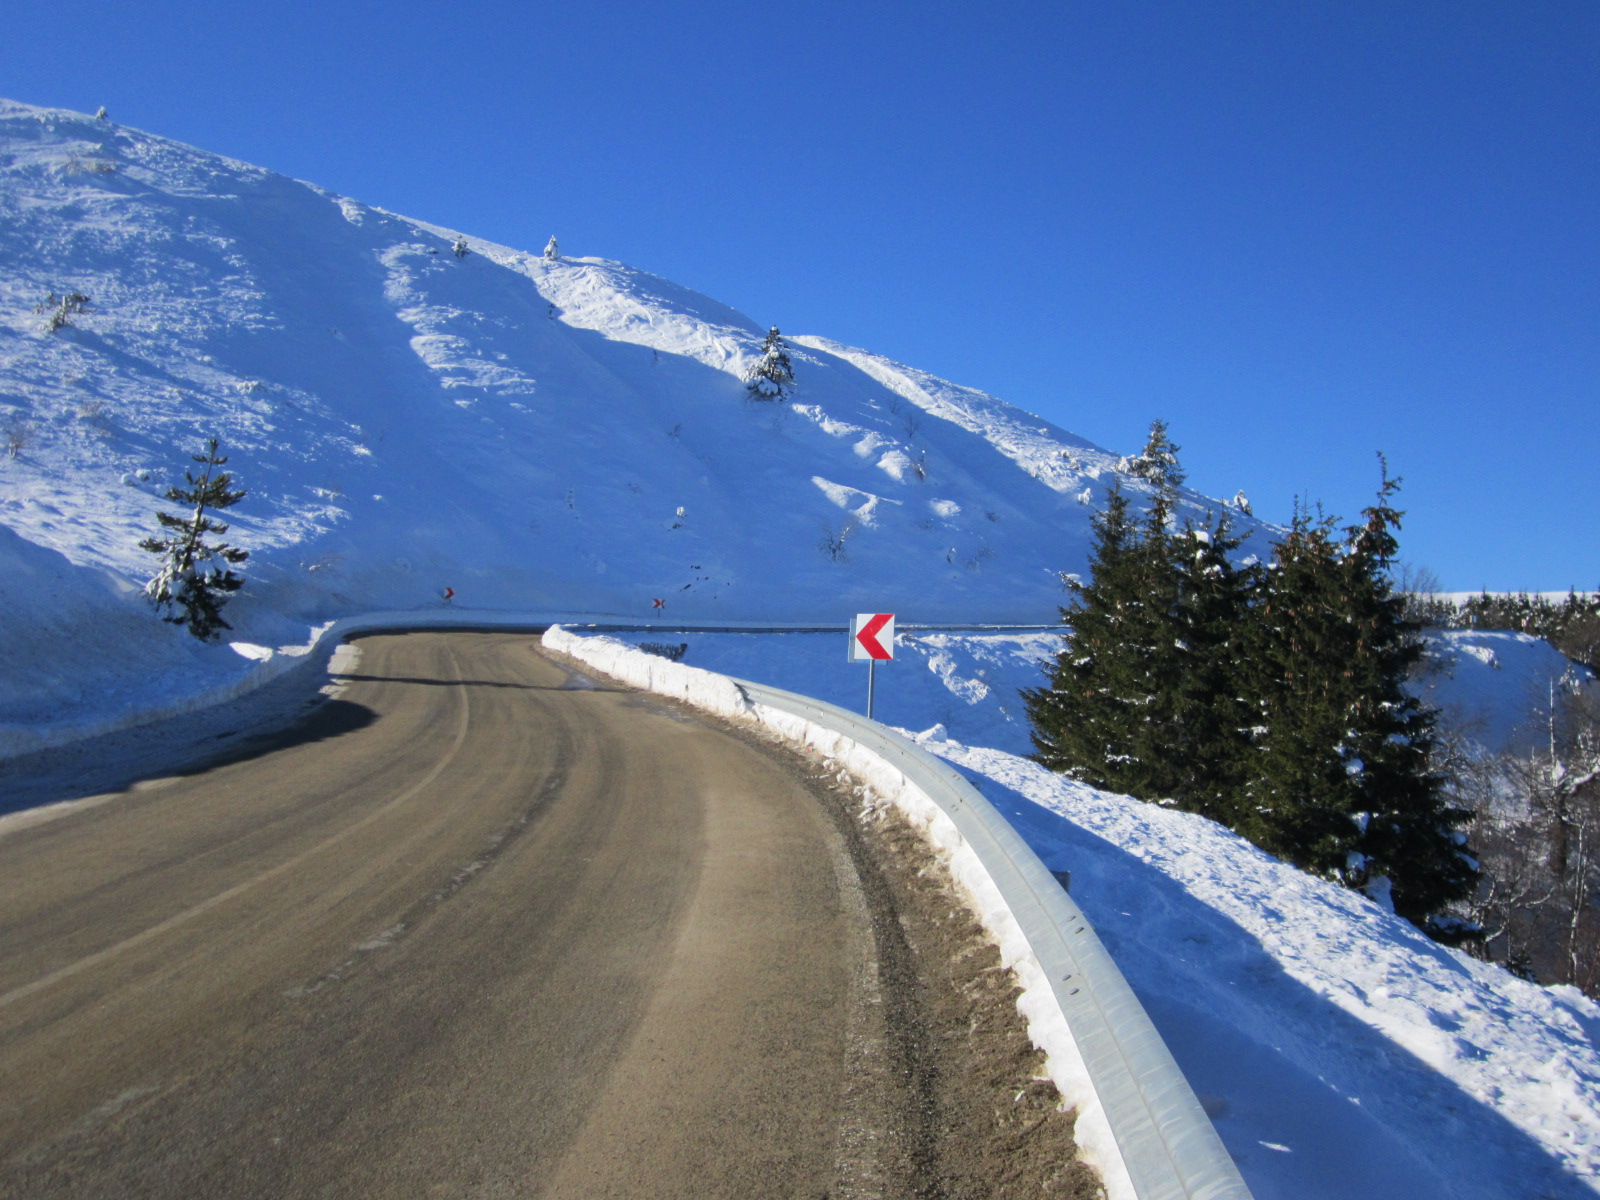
872	637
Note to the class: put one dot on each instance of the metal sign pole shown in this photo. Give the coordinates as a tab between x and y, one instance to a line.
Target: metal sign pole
872	681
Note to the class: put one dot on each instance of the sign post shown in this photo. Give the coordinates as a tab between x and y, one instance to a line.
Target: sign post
872	642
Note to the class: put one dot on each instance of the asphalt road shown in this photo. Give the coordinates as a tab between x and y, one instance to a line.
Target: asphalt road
477	928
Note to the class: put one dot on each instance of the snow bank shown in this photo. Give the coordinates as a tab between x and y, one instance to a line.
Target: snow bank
1341	1054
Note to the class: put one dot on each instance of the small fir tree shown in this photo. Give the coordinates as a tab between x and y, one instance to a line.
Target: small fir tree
1158	461
186	590
461	249
59	311
551	250
772	372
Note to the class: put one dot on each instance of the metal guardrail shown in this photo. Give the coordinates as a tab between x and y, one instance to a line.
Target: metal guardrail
1165	1139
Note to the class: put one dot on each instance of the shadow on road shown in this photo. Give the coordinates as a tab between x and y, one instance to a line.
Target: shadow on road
182	747
576	685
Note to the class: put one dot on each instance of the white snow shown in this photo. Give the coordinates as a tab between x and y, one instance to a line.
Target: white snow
521	429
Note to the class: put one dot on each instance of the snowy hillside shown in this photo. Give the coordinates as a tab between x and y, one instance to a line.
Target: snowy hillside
558	436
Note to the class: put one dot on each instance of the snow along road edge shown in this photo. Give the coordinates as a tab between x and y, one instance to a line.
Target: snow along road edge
1139	1123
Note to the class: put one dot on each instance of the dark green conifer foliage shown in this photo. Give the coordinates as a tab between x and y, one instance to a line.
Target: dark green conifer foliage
1143	698
1208	741
1297	656
1081	718
1271	699
186	590
1341	784
1410	834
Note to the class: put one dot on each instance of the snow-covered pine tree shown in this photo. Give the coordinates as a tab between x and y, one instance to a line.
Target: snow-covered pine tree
1081	718
1206	719
1341	782
772	372
1104	717
1296	802
551	250
461	249
186	590
1158	461
1411	836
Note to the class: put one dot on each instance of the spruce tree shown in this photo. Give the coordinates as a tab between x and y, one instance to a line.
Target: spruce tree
186	590
1411	839
1144	698
1158	461
1207	736
1082	719
1340	781
772	372
1296	799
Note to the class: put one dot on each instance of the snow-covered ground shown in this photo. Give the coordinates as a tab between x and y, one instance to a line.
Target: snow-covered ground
1341	1054
562	435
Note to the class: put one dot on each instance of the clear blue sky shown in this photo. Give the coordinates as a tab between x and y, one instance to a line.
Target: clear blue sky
1299	231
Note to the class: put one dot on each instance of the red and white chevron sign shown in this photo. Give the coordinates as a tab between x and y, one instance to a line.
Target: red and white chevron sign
872	637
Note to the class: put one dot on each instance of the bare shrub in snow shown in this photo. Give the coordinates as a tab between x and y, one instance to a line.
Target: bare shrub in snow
18	433
75	165
834	537
663	650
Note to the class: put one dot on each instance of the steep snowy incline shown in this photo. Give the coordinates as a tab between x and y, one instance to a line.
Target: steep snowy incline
551	435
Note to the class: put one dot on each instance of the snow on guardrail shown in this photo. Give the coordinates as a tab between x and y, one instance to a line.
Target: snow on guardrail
1139	1123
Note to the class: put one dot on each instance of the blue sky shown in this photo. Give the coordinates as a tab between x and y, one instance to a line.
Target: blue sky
1300	232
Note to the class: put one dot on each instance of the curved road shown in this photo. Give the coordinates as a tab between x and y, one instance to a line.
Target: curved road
477	928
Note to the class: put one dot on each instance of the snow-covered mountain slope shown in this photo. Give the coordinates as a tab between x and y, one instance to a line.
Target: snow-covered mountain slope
546	435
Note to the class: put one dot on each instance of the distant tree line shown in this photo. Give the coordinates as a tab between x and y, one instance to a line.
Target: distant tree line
1267	695
1571	625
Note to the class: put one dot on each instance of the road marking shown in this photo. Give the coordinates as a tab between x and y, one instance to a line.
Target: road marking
238	889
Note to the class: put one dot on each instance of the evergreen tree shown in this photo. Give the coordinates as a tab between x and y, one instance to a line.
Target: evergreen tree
461	249
551	250
1082	718
1207	732
1296	652
1158	461
772	372
1271	699
186	591
1144	698
1341	782
1411	839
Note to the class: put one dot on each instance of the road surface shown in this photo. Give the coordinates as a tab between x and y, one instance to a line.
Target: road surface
477	928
